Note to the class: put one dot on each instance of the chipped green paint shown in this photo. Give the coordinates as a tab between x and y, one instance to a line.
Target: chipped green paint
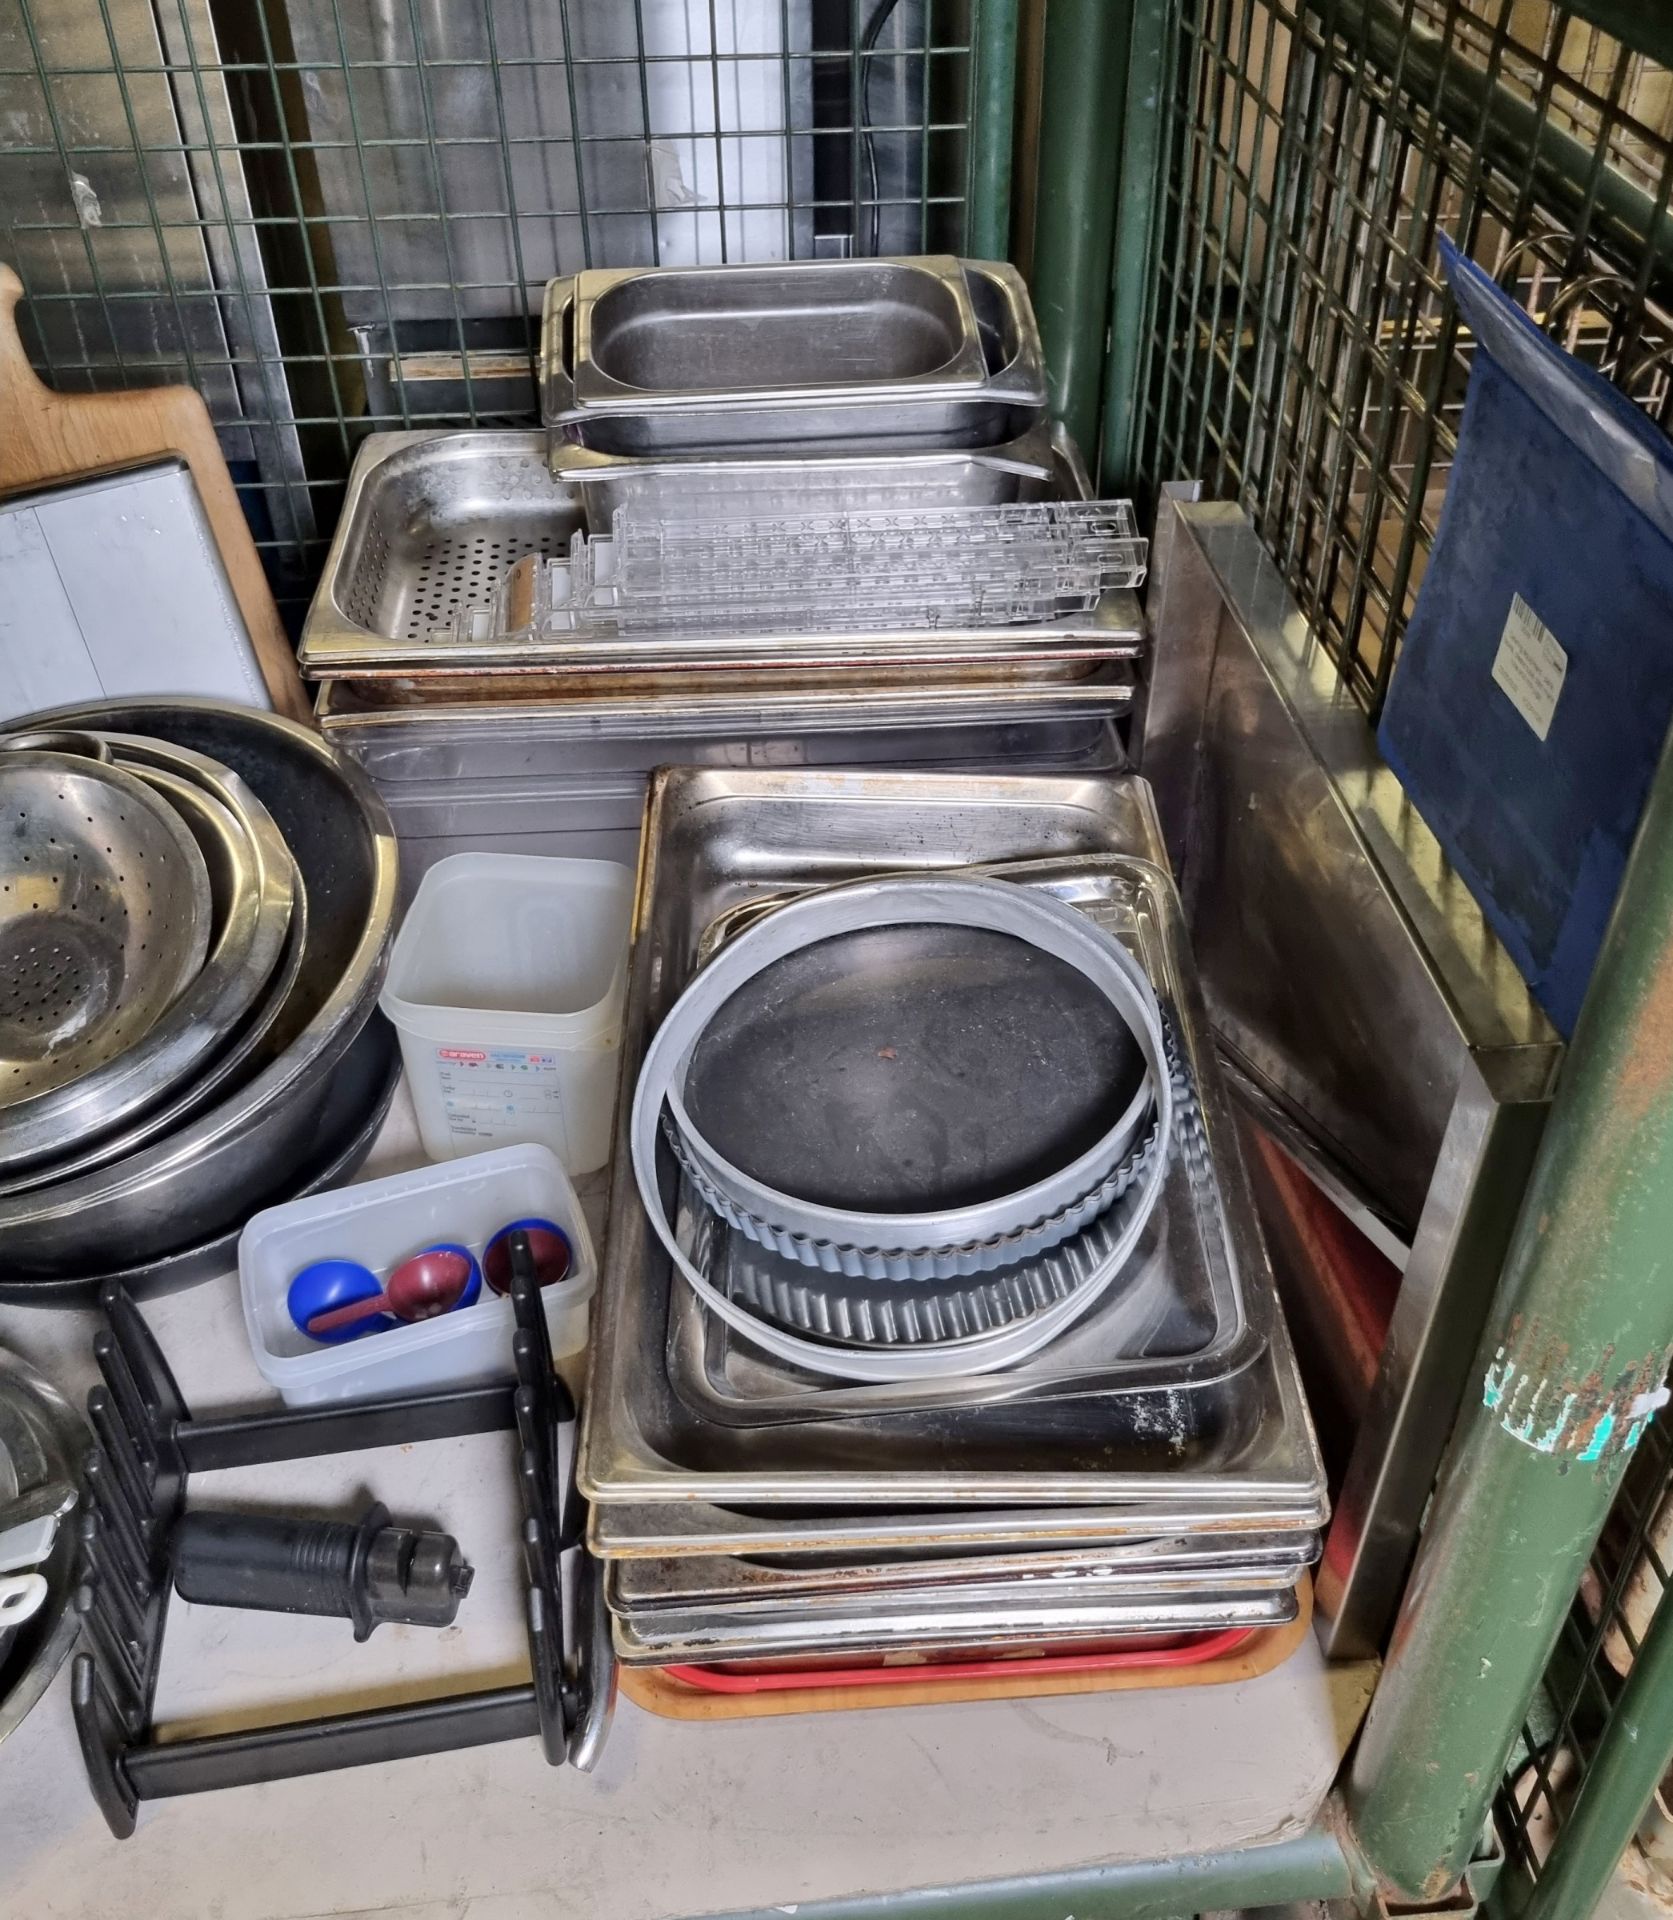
1574	1419
1600	1437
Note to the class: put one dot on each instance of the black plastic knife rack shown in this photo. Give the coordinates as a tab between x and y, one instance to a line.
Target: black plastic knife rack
147	1445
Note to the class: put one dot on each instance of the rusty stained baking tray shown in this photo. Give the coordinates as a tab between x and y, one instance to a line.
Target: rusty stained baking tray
1074	669
721	838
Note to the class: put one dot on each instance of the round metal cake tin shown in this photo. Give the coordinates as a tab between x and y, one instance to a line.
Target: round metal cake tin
1047	1205
934	899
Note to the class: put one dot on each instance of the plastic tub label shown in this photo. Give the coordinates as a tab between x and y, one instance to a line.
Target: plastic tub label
491	1092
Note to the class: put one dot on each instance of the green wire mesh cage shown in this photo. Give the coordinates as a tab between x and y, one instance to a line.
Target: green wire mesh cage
333	218
1301	356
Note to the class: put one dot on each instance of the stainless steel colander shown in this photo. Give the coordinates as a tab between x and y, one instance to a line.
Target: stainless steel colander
104	917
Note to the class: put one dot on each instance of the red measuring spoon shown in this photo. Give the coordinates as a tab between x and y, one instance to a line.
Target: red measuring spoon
432	1282
549	1248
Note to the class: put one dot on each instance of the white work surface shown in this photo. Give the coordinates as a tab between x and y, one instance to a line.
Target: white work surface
678	1818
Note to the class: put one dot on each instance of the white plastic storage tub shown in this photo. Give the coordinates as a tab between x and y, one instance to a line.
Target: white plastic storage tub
506	986
379	1224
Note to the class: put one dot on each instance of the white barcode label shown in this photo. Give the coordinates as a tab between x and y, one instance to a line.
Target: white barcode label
1530	666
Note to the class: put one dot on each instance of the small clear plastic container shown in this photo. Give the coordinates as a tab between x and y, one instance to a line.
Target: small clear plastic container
380	1223
506	986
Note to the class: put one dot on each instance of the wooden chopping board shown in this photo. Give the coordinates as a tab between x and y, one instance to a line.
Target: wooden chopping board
47	437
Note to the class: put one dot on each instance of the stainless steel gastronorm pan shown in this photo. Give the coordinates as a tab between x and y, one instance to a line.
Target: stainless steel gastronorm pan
873	476
713	839
779	356
659	1530
433	523
660	334
430	525
934	1624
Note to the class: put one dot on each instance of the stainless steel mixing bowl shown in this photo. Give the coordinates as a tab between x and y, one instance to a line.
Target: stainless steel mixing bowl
345	1130
39	1426
228	1160
105	912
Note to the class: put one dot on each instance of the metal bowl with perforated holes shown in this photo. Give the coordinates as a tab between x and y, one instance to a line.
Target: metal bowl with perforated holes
105	916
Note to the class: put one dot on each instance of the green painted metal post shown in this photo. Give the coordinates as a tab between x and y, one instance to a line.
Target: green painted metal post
1081	111
1135	223
1625	1771
1311	1865
993	106
1570	1370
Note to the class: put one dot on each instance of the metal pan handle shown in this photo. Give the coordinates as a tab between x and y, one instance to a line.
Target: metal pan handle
557	382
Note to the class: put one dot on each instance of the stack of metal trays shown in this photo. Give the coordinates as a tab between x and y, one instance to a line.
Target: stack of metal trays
1150	1471
760	408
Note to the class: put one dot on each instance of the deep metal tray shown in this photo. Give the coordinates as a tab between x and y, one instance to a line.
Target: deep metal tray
714	839
1007	399
663	336
871	477
434	523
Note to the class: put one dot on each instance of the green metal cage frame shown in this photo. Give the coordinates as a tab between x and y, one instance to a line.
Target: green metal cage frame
1299	352
1294	348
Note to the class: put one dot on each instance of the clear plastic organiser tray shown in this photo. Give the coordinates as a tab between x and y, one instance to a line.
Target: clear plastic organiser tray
914	569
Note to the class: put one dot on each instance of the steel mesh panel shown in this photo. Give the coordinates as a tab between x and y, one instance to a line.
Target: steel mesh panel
1302	355
334	218
1624	1586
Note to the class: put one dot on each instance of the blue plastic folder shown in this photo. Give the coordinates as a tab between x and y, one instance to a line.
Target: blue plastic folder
1533	694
